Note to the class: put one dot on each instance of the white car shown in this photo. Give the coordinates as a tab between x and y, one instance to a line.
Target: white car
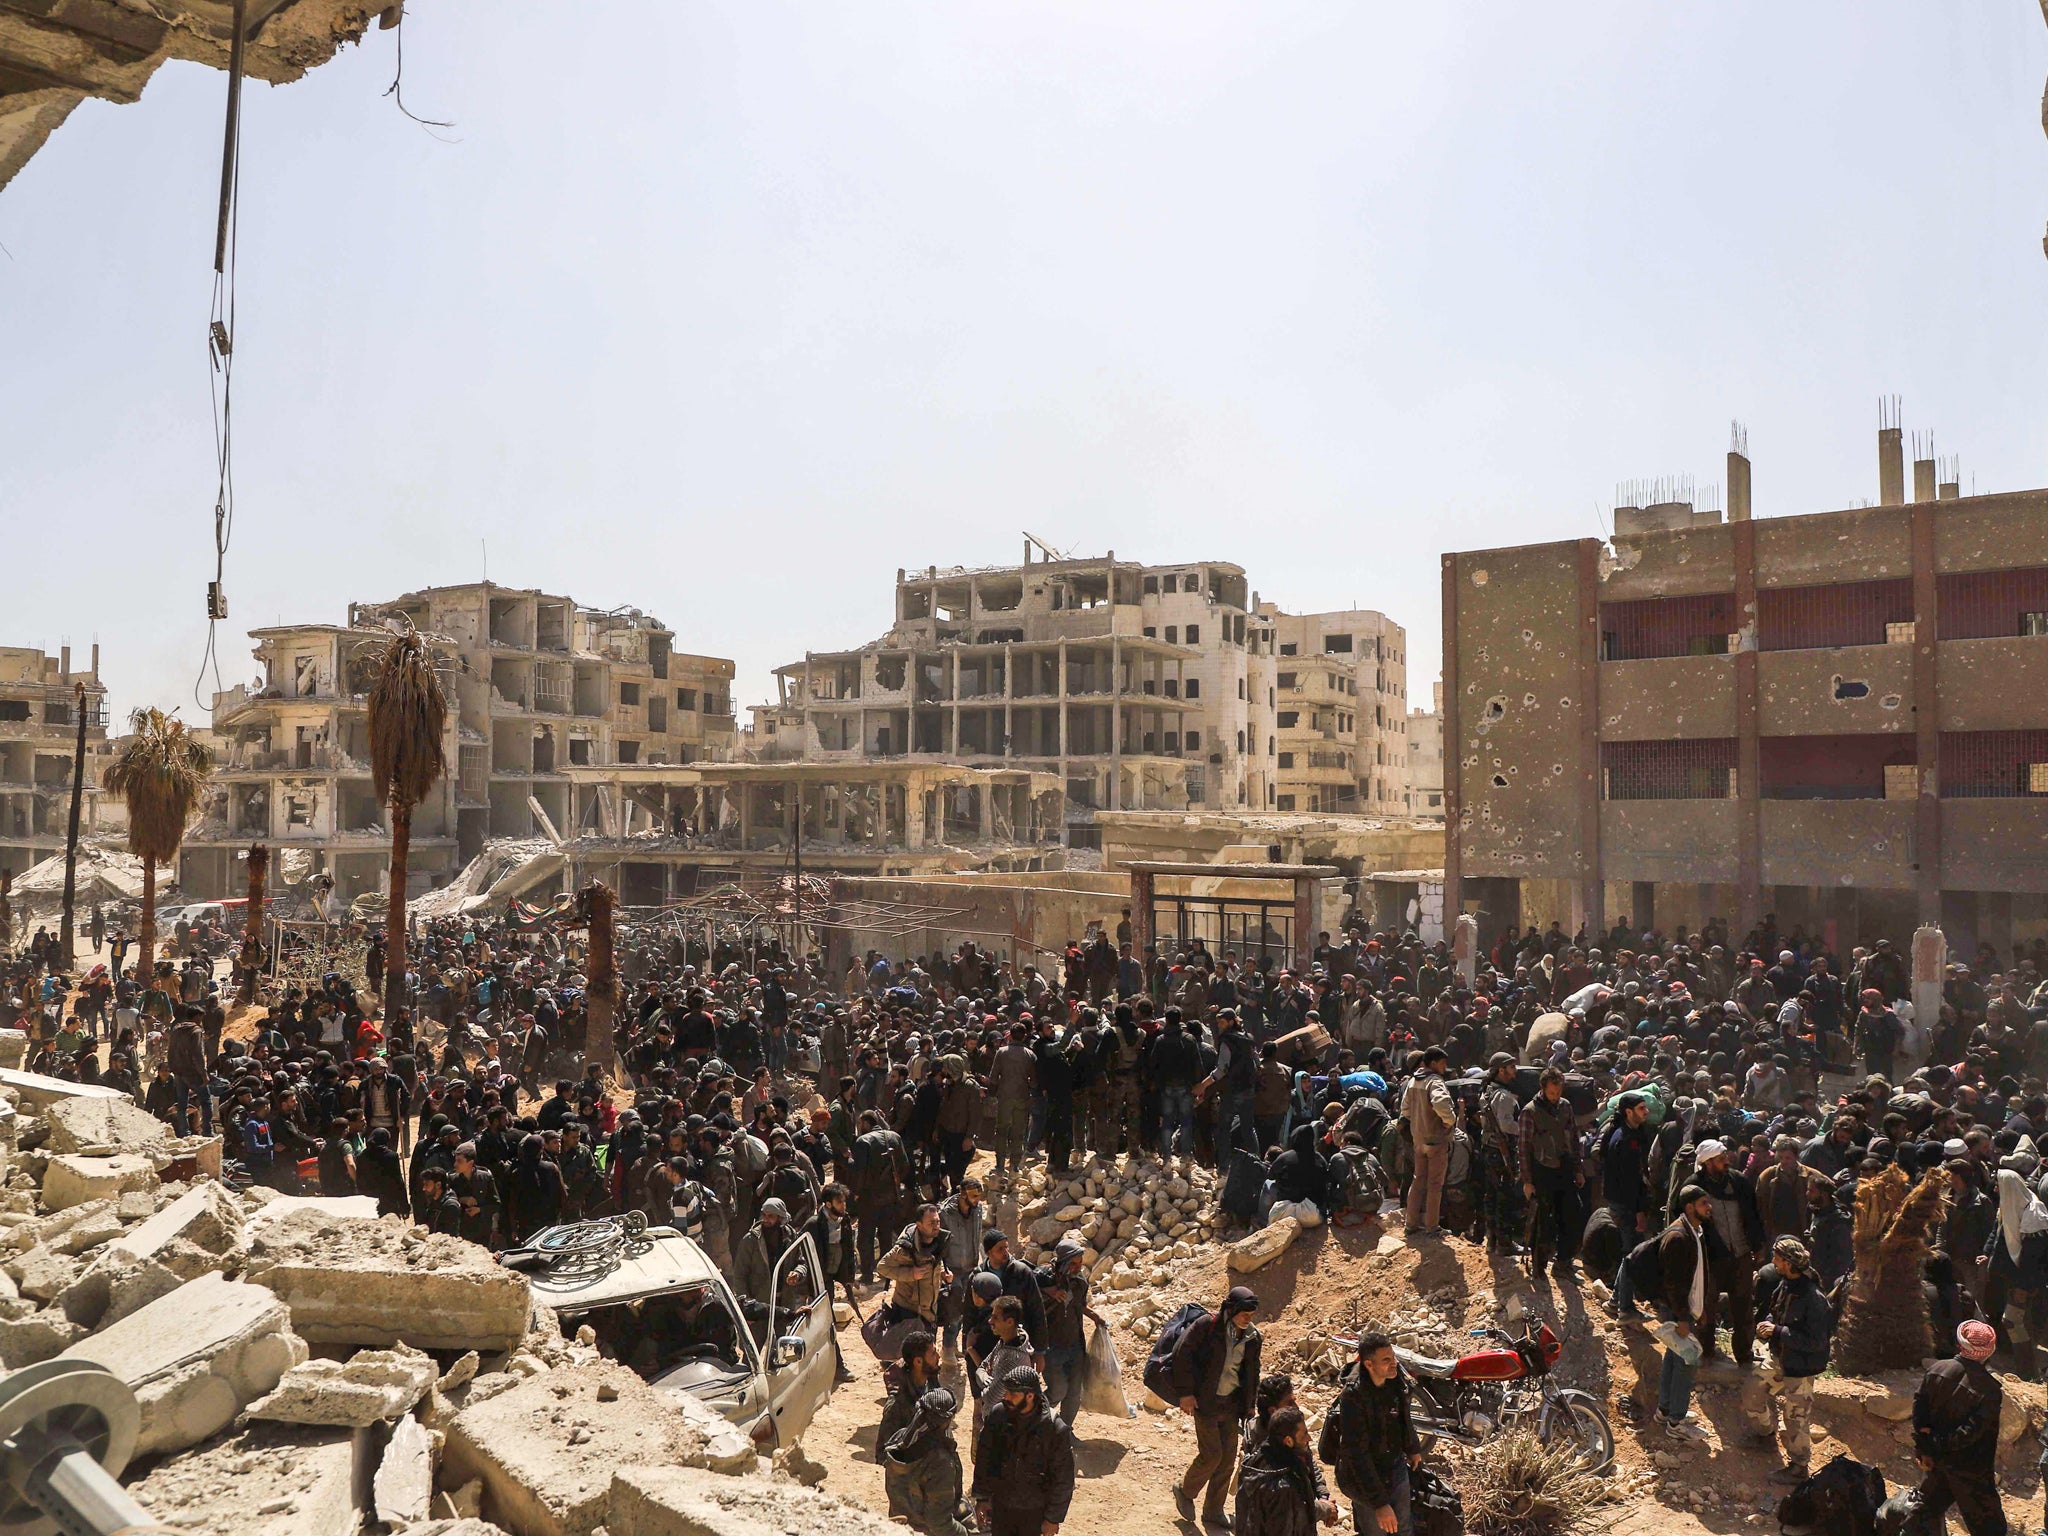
659	1305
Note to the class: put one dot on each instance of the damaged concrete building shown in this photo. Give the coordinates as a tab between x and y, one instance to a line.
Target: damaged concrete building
657	834
1140	687
54	56
1426	757
39	713
1340	711
1825	717
537	685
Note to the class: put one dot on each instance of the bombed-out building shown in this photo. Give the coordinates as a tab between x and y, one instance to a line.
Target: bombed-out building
39	716
536	685
1340	712
1825	717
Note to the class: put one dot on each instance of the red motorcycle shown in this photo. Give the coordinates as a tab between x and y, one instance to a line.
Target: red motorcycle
1508	1385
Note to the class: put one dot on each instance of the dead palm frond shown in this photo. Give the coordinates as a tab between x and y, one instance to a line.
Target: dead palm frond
160	773
1517	1486
408	717
1884	1320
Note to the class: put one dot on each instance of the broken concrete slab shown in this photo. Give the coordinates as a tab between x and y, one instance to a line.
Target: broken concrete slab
404	1485
13	1047
104	1126
536	1482
72	1178
102	1227
265	1480
467	1527
30	1340
351	1207
133	1288
1262	1247
196	1358
377	1384
38	1092
381	1282
684	1501
205	1216
42	1274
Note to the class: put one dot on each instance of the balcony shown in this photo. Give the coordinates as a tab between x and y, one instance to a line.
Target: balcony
1669	840
1667	698
1865	843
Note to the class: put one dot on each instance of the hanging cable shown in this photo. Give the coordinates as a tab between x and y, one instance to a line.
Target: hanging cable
220	346
396	90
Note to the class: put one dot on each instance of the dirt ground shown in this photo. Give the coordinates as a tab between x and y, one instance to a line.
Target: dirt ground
1339	1280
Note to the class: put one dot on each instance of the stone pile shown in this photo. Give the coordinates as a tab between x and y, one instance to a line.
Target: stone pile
1138	1224
304	1368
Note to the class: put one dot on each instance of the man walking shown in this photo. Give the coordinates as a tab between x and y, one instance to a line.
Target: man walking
1551	1176
1023	1462
1431	1117
1683	1263
1216	1378
1373	1445
1955	1436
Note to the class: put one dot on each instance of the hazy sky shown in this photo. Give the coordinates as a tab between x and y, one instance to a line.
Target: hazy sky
728	310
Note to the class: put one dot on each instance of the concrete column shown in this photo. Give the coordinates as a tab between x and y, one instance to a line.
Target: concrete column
1891	468
1009	695
1926	719
1592	892
1304	922
1141	911
1453	749
1116	719
1749	898
1642	900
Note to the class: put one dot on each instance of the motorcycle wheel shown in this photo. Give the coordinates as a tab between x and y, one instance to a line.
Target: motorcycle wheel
1577	1420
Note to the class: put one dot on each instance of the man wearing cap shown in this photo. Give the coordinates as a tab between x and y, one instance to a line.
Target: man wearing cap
1731	1265
1797	1327
1216	1379
1955	1436
1024	1462
1063	1286
1781	1191
1552	1177
961	1224
1431	1118
1019	1280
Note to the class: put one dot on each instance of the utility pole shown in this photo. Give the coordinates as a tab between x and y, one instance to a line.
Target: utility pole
71	836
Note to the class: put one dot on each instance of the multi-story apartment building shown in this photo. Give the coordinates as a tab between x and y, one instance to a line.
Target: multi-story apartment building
1341	712
536	684
38	735
1142	687
1827	718
1426	758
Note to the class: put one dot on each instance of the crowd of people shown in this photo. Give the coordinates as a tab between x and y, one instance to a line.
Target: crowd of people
1688	1116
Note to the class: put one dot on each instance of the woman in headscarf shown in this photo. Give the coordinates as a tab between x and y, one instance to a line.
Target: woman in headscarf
2013	1293
378	1174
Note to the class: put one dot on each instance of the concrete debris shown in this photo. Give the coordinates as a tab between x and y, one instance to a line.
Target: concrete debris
42	1273
103	1126
196	1358
403	1488
518	1443
73	1178
204	1217
794	1464
470	1527
462	1503
376	1385
30	1340
34	1091
1264	1246
275	1206
265	1480
460	1374
379	1282
681	1501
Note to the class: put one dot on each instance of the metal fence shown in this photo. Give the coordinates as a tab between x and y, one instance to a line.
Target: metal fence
1844	613
1993	765
1666	626
1668	770
1985	605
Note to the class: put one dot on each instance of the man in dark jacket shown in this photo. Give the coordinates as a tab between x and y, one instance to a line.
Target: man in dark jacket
1740	1227
1624	1157
1955	1436
1684	1263
1276	1487
916	1373
1019	1280
1216	1379
1797	1327
1024	1462
1376	1443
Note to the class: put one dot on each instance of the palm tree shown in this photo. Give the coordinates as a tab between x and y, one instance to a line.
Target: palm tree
408	714
160	773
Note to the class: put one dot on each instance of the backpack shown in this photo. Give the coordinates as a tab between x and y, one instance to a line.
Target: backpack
1330	1442
1159	1364
1434	1505
1645	1268
1841	1499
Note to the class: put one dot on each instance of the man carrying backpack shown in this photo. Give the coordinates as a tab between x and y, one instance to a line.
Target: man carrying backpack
1798	1327
1216	1381
1369	1440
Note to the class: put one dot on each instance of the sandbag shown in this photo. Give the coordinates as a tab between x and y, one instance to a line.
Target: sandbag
1102	1380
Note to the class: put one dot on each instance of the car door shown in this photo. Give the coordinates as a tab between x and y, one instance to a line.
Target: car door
801	1360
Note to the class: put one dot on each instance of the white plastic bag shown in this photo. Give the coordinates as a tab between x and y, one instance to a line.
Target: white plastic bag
1684	1345
1303	1211
1102	1381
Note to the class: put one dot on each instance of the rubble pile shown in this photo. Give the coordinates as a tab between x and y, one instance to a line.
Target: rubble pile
305	1368
1138	1223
